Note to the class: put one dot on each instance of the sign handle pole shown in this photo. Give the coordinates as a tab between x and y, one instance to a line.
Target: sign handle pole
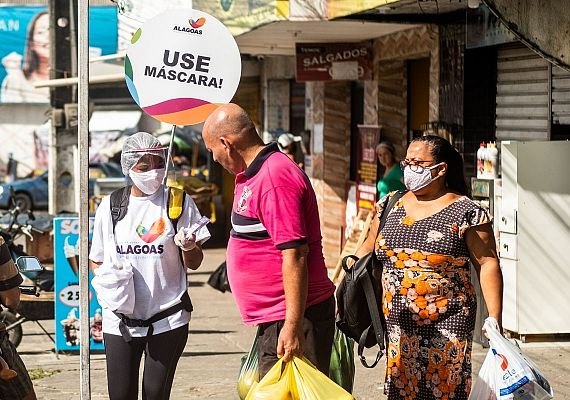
83	141
169	157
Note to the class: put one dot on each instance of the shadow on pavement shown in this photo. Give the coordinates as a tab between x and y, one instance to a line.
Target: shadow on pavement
210	353
196	273
207	331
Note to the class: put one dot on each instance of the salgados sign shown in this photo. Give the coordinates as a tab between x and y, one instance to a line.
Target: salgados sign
181	66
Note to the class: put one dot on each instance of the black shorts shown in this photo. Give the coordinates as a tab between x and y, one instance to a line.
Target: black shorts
318	326
20	386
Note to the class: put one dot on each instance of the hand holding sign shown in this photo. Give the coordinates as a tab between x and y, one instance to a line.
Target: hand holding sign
181	66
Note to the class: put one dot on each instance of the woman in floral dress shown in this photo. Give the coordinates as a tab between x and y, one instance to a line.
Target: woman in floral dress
429	237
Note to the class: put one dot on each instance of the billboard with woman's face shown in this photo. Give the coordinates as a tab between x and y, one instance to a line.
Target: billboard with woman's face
25	51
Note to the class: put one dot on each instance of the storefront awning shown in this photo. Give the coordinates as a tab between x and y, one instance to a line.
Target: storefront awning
279	38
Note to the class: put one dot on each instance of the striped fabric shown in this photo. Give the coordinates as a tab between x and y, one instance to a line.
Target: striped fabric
248	228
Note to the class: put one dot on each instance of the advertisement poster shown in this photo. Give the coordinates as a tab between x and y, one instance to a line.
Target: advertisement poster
368	137
66	261
25	50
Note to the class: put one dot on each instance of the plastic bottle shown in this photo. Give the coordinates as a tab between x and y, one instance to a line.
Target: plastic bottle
493	161
480	160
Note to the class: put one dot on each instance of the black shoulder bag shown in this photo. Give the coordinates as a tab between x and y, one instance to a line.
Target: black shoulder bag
358	297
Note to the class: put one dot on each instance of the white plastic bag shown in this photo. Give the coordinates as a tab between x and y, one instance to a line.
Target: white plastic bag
113	283
515	375
485	385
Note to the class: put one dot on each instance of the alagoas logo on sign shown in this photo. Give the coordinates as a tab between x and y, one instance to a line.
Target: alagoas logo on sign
194	26
198	23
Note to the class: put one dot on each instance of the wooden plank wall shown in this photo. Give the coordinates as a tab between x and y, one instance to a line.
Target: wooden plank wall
330	170
392	106
336	167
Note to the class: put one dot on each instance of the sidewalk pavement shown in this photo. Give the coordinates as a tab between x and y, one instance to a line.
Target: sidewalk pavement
217	340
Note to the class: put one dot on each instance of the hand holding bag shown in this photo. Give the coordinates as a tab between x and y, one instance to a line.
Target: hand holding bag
514	375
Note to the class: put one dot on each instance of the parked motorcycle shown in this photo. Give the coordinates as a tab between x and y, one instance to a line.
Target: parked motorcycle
29	310
18	225
38	282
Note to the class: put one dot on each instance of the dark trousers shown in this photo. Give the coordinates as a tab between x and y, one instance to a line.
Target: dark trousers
162	353
318	327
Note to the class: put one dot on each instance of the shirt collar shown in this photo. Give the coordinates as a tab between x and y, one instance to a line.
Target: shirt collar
258	161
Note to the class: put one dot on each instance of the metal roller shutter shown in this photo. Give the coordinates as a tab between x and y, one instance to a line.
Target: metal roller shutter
522	95
560	96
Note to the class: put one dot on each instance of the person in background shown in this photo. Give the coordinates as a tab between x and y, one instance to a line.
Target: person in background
159	255
289	145
392	176
17	86
15	382
429	238
179	160
275	260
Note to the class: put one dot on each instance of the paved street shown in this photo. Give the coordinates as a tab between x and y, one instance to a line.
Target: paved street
209	366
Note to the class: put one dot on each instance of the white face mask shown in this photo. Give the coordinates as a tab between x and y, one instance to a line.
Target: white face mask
148	182
415	181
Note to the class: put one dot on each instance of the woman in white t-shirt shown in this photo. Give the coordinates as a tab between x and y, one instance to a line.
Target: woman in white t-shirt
146	258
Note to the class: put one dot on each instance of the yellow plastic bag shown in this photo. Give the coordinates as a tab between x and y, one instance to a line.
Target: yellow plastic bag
313	384
296	380
275	385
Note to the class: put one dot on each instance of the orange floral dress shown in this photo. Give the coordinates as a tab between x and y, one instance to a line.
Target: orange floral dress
429	302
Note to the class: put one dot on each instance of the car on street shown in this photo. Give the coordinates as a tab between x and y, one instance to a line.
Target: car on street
32	193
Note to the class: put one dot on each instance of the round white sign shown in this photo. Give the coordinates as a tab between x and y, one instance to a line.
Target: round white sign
182	65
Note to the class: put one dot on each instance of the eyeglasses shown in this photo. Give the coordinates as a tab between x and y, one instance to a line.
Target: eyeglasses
415	165
148	162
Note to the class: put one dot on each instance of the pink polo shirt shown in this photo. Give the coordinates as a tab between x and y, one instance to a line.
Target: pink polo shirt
274	208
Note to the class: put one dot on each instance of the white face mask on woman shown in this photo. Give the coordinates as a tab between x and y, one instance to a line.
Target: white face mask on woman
415	181
149	181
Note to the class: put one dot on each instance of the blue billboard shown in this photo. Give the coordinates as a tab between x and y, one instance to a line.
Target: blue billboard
66	266
24	48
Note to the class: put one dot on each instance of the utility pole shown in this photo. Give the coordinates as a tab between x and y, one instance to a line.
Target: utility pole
63	172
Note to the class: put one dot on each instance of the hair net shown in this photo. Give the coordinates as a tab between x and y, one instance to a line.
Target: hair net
136	146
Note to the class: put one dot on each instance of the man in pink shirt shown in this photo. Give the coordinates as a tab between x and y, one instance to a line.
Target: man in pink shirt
274	258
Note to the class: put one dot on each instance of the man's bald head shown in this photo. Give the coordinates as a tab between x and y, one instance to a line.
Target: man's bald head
229	134
231	120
